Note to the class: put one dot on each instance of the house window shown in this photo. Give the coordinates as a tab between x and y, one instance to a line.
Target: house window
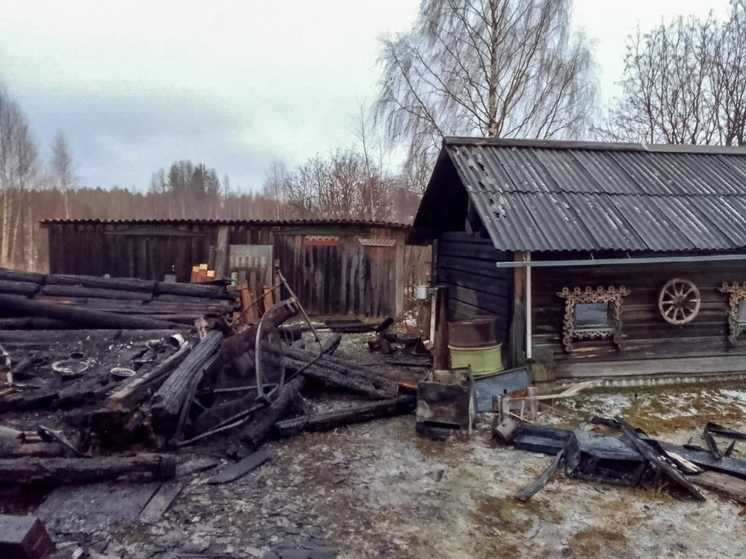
592	314
736	311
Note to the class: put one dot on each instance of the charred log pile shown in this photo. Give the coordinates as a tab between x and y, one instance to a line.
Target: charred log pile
102	391
50	302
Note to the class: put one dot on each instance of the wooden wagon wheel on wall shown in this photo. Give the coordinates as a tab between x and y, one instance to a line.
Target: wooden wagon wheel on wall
679	301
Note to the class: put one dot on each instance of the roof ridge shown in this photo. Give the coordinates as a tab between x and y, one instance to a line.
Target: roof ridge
593	145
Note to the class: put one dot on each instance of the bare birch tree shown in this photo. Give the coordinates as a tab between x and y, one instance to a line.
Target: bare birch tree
275	186
62	169
496	68
684	83
18	174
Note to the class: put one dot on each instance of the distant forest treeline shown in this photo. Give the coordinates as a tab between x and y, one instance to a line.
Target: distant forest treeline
345	185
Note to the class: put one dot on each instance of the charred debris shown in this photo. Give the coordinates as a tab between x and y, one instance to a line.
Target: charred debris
104	378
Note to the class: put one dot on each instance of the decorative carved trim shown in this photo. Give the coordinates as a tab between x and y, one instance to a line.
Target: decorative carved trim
377	242
737	294
321	240
611	296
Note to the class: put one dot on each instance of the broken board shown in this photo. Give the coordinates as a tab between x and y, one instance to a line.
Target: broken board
160	502
731	487
240	469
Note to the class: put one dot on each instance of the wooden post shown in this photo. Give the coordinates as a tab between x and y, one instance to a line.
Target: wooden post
534	403
400	276
268	298
221	253
441	353
518	322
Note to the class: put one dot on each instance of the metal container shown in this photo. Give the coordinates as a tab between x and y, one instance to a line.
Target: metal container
422	292
474	332
446	404
482	360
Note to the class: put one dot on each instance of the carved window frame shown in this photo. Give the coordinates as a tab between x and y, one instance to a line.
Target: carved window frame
611	296
737	294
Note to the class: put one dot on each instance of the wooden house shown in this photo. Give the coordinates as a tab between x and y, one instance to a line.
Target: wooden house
334	267
596	259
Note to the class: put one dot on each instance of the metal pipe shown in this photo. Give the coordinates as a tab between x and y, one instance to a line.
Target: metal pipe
623	261
433	289
529	349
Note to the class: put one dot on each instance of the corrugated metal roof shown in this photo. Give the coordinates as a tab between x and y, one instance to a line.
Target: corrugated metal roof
554	196
239	222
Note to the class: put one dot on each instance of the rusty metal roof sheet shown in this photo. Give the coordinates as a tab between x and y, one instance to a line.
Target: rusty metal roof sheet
555	196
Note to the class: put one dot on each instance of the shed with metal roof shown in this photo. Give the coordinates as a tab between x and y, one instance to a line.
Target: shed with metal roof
596	259
335	267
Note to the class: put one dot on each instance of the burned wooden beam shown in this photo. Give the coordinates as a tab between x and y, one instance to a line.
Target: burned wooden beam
240	469
18	287
347	375
331	344
85	317
32	400
255	433
357	413
703	459
540	482
712	446
15	275
99	282
42	339
94	292
77	471
656	458
170	397
34	323
190	290
721	431
137	389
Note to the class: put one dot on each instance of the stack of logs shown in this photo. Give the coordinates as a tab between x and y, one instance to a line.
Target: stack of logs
38	301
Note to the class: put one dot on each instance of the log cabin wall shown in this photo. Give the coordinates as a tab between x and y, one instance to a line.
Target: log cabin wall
359	272
651	345
465	264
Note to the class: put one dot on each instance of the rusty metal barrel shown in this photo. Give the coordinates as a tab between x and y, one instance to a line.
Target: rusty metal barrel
475	343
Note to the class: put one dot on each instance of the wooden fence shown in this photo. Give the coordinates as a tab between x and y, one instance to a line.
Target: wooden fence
335	268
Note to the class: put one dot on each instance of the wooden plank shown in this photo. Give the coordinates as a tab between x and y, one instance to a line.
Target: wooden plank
268	298
731	487
221	252
160	502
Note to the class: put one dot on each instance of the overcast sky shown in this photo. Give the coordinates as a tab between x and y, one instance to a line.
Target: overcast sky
235	84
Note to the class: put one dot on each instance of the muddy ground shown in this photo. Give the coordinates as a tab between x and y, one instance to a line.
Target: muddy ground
378	490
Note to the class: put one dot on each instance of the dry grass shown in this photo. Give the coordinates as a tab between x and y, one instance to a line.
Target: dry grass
661	409
590	543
